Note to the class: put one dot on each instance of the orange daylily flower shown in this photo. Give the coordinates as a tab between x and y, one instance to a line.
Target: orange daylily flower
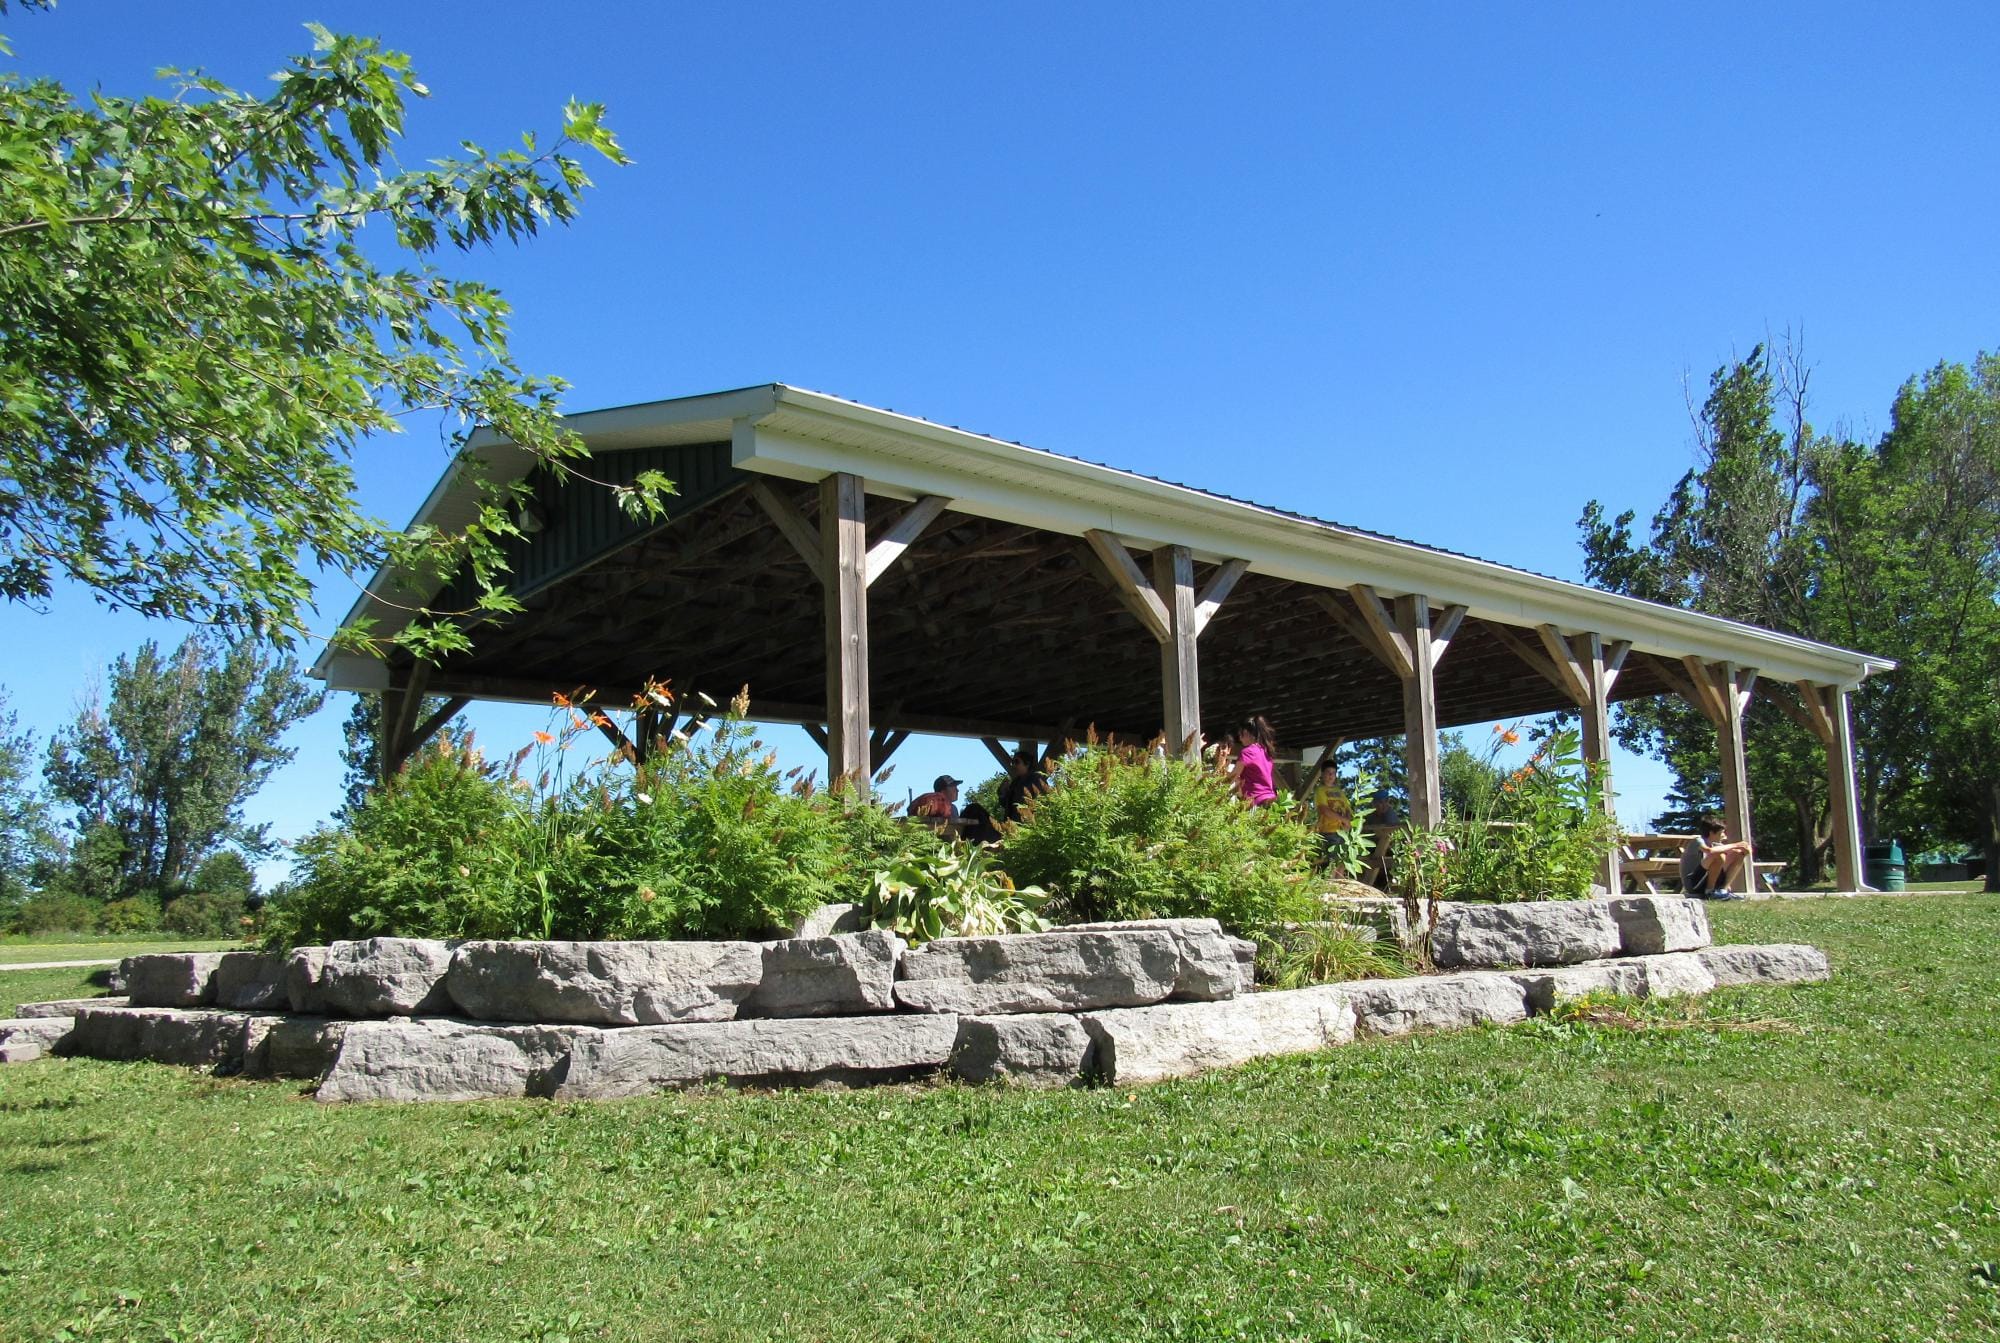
544	737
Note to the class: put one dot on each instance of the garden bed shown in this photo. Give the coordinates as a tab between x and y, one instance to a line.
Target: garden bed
414	1019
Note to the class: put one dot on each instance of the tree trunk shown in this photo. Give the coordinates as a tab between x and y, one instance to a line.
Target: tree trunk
1993	836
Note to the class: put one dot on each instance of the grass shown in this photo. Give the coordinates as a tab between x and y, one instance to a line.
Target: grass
1806	1164
95	946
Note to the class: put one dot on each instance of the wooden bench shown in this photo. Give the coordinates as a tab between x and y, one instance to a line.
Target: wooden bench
1642	860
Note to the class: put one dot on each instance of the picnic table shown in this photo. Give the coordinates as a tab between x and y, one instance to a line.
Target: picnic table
1646	861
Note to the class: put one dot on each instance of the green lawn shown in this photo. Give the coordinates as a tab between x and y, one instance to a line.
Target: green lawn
81	947
1812	1164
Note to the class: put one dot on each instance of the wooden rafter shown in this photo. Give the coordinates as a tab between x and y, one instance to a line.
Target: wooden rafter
1216	591
1443	630
1570	676
1390	642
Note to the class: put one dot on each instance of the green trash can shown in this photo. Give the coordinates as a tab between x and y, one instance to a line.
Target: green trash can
1883	864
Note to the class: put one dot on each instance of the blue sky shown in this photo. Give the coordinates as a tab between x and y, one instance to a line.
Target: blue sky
1439	271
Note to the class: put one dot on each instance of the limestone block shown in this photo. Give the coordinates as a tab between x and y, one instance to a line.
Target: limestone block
1536	932
292	1046
844	975
171	979
305	979
66	1007
1037	1049
1041	972
1435	1003
45	1033
1775	963
192	1037
251	980
1672	975
1211	961
796	1051
605	983
1651	924
438	1059
387	976
828	920
24	1051
1245	952
1149	1044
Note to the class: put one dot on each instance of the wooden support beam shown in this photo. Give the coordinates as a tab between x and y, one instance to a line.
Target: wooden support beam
1443	629
430	727
997	749
1392	643
805	537
1843	806
1531	655
1815	714
1420	736
400	705
1675	681
1569	674
1614	662
843	538
1727	688
816	732
621	745
883	743
1180	669
1121	572
1216	591
1357	629
902	534
1706	697
1587	653
1802	713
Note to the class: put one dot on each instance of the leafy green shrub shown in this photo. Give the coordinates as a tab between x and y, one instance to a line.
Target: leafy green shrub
54	912
416	859
1536	834
953	890
1121	834
706	839
211	914
133	914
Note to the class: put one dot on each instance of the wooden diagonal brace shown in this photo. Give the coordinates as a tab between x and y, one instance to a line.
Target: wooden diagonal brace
1216	591
1570	676
902	534
801	533
1394	648
1531	655
1357	628
1614	662
1122	572
1443	629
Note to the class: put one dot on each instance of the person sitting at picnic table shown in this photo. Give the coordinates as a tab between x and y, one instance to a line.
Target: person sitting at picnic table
940	804
975	825
1252	770
1024	779
1333	812
1710	862
1381	823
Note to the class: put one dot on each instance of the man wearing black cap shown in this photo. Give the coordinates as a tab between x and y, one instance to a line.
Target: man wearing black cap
941	803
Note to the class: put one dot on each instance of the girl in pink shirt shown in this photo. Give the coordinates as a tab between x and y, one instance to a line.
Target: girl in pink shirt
1253	761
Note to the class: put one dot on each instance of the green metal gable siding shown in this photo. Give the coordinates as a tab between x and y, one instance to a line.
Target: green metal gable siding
583	522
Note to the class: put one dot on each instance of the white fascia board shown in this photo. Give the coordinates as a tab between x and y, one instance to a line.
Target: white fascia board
988	478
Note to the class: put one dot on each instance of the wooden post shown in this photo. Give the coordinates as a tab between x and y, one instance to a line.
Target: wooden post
1842	805
1180	675
1596	710
1420	722
843	537
400	705
1729	747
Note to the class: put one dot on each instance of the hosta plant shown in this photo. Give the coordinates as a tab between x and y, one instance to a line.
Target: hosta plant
955	890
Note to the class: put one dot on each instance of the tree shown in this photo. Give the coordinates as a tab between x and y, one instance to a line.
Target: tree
27	834
1894	549
196	337
165	764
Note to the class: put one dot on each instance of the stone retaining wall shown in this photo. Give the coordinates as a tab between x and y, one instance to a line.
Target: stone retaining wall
409	1019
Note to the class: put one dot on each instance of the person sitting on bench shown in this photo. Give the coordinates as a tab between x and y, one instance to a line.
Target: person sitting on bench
1710	863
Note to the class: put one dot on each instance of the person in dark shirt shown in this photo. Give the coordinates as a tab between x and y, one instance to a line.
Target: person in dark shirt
1709	863
1024	779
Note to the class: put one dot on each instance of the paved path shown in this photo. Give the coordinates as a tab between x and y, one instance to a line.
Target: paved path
56	965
